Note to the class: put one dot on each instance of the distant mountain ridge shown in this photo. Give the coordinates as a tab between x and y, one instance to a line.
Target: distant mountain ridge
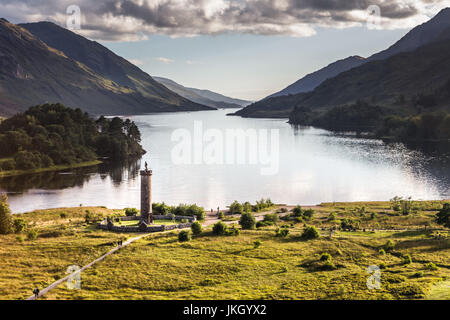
312	80
33	72
205	97
437	29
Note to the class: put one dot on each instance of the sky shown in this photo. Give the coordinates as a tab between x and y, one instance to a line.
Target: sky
246	49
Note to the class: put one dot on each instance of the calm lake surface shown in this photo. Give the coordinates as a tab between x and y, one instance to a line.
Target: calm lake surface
314	166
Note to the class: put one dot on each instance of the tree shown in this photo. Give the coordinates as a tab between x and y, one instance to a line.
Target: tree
5	216
443	216
247	221
310	233
236	208
129	212
297	211
196	228
220	228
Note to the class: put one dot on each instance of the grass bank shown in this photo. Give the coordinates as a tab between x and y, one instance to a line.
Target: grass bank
10	173
252	265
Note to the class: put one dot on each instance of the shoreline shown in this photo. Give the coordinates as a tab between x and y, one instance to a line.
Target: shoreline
12	173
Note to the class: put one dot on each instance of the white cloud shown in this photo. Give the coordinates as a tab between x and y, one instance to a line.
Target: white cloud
136	62
164	60
131	20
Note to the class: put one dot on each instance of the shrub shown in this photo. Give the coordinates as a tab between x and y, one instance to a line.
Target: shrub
219	228
283	210
247	221
443	216
19	239
184	236
261	224
297	211
221	215
8	165
256	244
19	225
233	231
32	235
271	218
431	266
332	217
63	215
282	233
129	212
325	257
236	208
389	246
196	228
407	259
310	233
418	274
5	216
382	251
329	265
308	214
161	209
195	211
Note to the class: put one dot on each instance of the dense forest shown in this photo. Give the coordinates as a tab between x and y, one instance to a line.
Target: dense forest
52	134
427	125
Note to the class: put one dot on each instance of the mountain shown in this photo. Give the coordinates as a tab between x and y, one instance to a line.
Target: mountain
205	97
436	29
428	32
312	80
32	72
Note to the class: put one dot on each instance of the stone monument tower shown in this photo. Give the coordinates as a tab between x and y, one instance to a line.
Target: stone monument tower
146	195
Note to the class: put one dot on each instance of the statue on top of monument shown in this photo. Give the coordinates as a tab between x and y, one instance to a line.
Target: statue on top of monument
146	166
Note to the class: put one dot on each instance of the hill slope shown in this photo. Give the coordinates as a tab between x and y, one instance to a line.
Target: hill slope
436	29
312	80
32	73
205	97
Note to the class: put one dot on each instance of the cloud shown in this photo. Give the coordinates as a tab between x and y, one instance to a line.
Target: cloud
136	62
130	20
164	60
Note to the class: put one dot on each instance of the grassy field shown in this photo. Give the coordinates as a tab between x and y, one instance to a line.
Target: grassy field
11	173
233	267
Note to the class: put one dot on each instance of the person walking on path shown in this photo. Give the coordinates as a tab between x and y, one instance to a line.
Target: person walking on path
36	293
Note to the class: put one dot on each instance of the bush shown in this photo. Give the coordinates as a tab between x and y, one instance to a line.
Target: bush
256	244
297	211
221	215
233	231
310	233
382	251
431	266
161	209
19	225
220	228
407	259
236	208
247	221
308	214
63	215
325	257
389	246
8	165
196	228
195	211
332	217
261	224
184	236
271	218
443	216
282	233
5	216
329	265
129	212
32	235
